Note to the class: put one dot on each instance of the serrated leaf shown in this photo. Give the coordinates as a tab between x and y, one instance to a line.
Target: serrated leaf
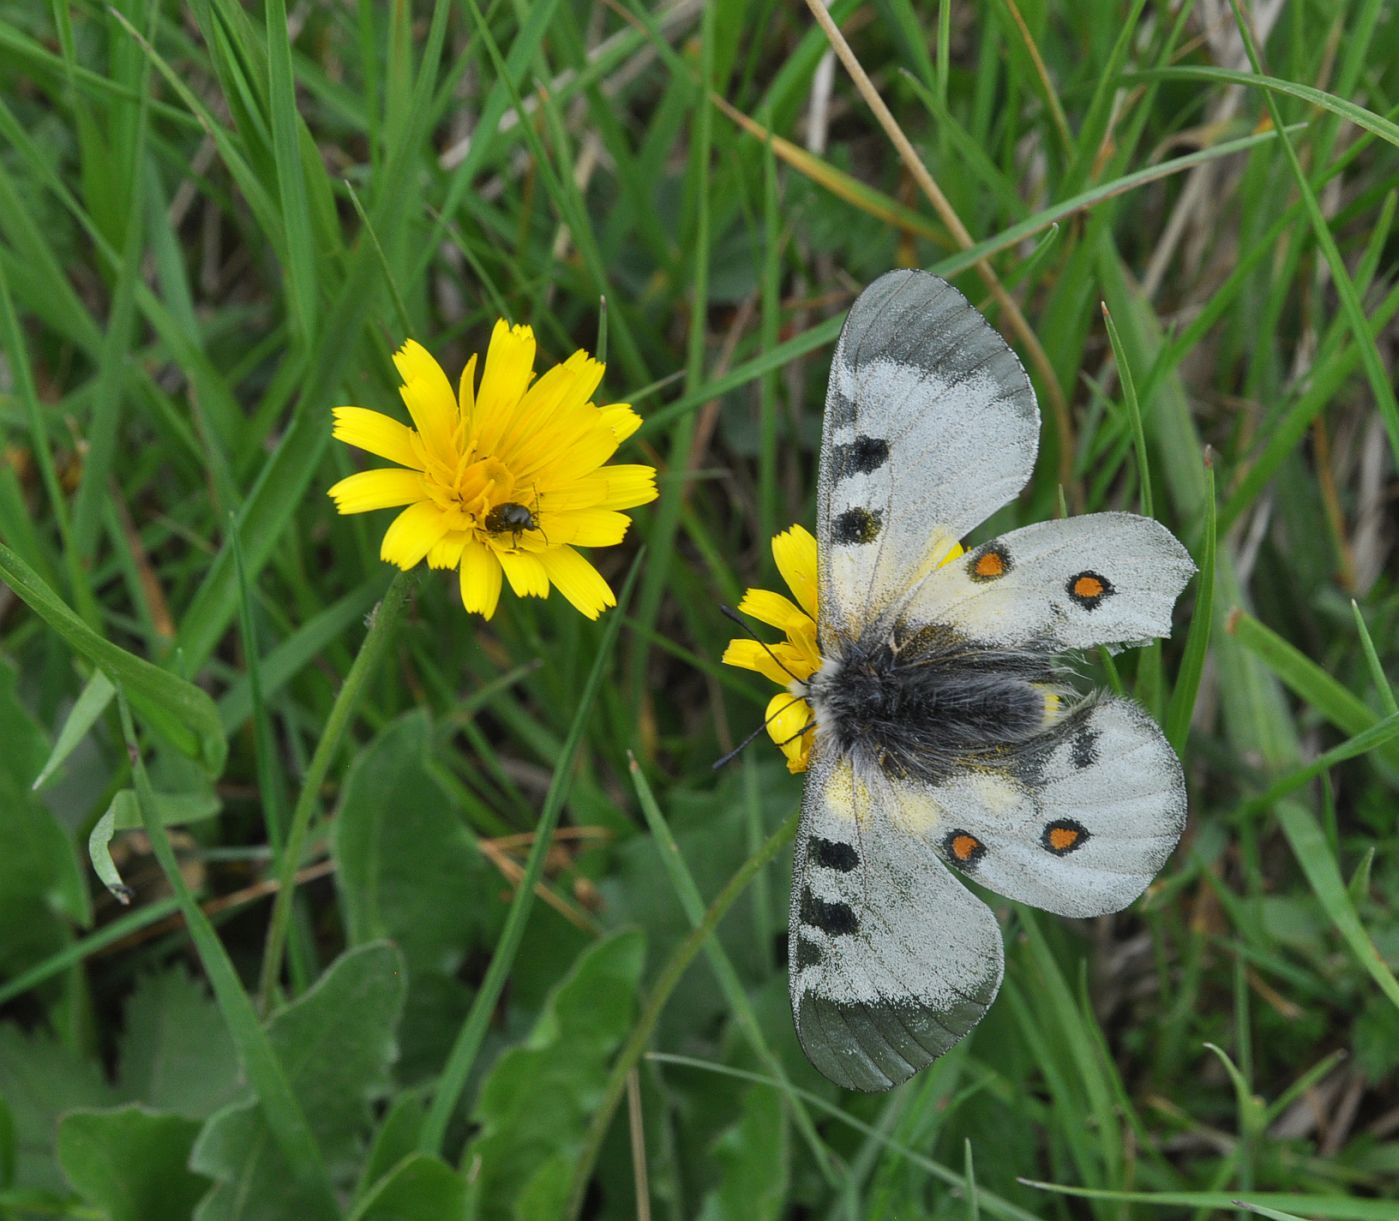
130	1162
40	1079
420	1186
336	1044
179	711
535	1104
175	1052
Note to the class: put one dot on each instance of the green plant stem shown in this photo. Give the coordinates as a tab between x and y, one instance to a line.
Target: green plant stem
285	1118
376	641
670	976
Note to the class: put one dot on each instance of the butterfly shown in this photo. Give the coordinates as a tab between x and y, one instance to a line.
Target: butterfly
946	738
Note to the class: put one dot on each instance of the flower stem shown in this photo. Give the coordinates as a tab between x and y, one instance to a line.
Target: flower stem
376	641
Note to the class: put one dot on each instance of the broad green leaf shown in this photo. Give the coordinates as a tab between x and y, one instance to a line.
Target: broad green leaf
751	1157
420	1186
177	710
175	1052
130	1162
124	814
408	869
535	1103
41	885
335	1044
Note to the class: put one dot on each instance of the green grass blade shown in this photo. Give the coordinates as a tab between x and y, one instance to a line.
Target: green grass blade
1318	863
179	711
448	1094
1197	640
688	893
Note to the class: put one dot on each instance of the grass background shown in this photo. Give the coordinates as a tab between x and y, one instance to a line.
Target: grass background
217	221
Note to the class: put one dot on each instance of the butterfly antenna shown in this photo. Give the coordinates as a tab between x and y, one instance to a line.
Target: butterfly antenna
737	750
729	613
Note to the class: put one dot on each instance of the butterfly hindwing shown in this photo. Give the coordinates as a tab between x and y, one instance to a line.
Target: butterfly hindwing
930	426
1103	578
892	960
1078	824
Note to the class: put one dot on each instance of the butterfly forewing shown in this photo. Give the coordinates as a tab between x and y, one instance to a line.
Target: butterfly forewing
930	427
892	961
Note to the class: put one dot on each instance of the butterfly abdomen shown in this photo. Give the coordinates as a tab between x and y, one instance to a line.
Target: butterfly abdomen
921	712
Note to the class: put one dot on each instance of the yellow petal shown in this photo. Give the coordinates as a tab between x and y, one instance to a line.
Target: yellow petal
466	389
788	717
446	552
578	581
567	450
557	401
375	432
795	553
590	528
621	419
509	368
412	534
750	655
428	396
612	487
525	574
480	579
382	489
772	608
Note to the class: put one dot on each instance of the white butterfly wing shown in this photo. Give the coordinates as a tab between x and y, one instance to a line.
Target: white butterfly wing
1104	578
1079	827
892	960
930	427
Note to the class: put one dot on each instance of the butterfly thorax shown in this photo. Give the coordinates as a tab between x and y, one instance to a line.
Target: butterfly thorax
922	704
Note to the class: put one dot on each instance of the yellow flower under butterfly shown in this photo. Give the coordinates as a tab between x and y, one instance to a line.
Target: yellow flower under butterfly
501	480
790	662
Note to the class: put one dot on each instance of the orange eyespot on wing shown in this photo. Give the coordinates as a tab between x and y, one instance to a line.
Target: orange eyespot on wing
989	562
964	848
1063	836
1089	589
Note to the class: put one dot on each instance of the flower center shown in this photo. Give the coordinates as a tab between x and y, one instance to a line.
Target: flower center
472	490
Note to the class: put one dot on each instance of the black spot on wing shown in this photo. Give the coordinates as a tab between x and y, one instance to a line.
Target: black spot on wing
857	525
863	456
835	919
1083	752
832	854
808	953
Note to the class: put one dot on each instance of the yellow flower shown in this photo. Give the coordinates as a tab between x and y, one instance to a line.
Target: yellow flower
789	663
792	661
504	479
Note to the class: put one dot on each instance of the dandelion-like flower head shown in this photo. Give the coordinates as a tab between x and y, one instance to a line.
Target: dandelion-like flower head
501	480
790	662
